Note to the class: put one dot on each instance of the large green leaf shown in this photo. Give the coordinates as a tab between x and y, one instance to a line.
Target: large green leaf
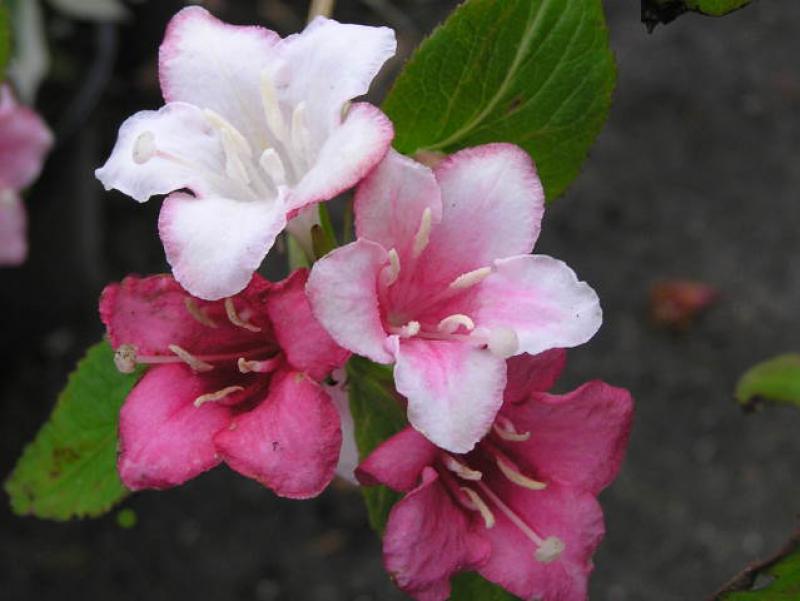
777	579
538	73
776	380
69	470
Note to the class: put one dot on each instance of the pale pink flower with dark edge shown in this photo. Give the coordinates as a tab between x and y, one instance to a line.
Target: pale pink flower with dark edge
25	140
256	127
441	284
235	381
521	508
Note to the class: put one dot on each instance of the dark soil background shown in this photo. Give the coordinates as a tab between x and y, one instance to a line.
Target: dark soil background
696	175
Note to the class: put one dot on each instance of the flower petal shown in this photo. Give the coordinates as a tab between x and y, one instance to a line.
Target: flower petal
533	373
346	155
289	442
164	439
428	539
24	141
398	462
454	390
348	456
306	345
541	299
391	200
13	229
342	289
578	439
158	152
217	66
215	244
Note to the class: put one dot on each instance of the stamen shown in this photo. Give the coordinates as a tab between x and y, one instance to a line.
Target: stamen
270	162
451	323
234	318
301	137
216	396
513	517
477	504
144	148
125	359
272	110
198	313
505	429
465	280
551	548
192	361
412	328
503	342
512	472
423	235
392	272
235	146
262	367
459	469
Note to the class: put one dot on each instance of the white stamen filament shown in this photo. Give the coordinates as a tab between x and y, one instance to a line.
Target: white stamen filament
459	469
511	472
505	429
423	235
198	314
466	280
233	317
451	323
235	146
509	513
301	136
216	396
196	364
272	111
262	367
477	504
144	148
271	163
392	271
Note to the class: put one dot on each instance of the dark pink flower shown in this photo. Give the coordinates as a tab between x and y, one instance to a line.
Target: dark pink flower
234	381
520	509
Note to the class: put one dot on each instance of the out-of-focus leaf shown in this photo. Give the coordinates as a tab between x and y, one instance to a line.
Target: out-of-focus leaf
776	380
777	579
30	60
5	39
92	10
69	470
665	11
473	586
538	73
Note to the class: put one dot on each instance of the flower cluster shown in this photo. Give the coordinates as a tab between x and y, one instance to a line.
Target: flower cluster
499	476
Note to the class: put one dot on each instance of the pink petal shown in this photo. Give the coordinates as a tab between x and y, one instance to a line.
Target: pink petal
164	439
217	66
307	346
345	156
338	63
348	456
493	206
533	373
454	390
158	152
290	442
398	462
390	203
578	439
541	299
576	519
428	539
342	289
13	229
215	244
25	140
154	312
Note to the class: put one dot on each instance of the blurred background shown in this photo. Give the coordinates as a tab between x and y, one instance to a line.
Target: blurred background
696	176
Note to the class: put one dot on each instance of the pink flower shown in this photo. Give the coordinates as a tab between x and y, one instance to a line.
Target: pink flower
520	509
256	127
24	142
234	381
439	282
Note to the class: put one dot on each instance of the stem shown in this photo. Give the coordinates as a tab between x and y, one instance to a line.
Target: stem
320	8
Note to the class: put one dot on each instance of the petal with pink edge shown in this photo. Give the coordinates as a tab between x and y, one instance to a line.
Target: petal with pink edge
343	291
533	373
398	462
345	156
493	206
217	66
164	439
24	141
290	442
454	390
158	152
307	346
215	244
13	229
541	299
391	201
578	439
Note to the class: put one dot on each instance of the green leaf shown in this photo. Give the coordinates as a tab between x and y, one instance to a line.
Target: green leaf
473	586
70	468
538	73
5	38
665	11
716	8
776	380
777	579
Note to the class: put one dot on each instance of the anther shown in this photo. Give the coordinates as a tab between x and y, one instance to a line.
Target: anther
451	323
125	359
477	504
423	235
465	280
511	472
144	148
233	317
272	111
392	271
459	469
262	367
503	342
505	429
198	313
412	328
551	548
216	396
192	361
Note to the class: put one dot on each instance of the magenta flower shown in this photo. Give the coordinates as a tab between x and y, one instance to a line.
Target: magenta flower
440	283
24	142
257	128
520	509
234	381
